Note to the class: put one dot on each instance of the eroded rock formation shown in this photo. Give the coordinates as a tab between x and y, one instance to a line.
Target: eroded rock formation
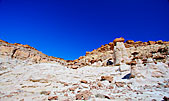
119	52
120	70
24	54
114	53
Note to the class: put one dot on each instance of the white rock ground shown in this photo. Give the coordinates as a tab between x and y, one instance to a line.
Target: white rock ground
27	83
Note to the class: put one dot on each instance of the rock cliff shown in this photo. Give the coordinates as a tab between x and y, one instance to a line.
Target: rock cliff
15	54
114	53
119	52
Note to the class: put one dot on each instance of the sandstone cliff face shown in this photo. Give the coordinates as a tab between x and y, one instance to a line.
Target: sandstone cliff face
24	54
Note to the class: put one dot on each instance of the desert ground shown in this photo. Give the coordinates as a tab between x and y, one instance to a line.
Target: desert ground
52	81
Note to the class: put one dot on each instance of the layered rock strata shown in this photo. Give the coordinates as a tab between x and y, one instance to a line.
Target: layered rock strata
119	52
24	54
114	53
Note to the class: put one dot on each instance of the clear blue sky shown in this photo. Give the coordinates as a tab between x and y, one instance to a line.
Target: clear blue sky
69	28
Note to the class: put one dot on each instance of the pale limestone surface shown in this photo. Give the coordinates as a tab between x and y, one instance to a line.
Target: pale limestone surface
28	82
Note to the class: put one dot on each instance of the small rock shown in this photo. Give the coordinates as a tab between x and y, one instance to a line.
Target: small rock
45	92
119	84
73	88
166	86
99	84
53	98
85	95
74	67
83	81
65	84
108	78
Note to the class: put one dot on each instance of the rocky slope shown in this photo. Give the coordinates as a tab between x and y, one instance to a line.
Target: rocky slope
118	52
116	71
16	54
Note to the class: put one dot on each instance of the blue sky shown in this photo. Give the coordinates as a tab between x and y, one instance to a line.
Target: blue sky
69	28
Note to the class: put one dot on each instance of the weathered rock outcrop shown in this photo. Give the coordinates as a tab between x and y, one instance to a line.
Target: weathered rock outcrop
120	54
24	54
114	53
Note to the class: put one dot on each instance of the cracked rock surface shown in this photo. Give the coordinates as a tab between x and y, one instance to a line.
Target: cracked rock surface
52	81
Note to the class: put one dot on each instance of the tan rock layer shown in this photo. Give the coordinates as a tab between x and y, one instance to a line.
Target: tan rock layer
25	52
105	52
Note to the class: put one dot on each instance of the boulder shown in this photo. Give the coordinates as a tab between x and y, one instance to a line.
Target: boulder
108	78
87	53
138	42
129	41
121	39
151	42
159	42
